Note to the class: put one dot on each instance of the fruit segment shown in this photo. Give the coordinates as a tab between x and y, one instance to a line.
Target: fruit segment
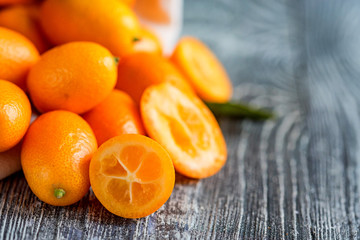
132	175
186	128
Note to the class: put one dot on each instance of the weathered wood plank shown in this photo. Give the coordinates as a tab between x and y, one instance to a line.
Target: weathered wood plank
293	178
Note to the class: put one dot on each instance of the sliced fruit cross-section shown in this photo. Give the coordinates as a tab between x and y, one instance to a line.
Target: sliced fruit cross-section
203	70
132	175
186	128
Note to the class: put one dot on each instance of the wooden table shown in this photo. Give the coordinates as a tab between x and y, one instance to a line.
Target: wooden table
296	177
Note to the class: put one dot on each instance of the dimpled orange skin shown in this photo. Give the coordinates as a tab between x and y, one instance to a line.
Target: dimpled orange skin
141	70
56	154
75	77
110	23
203	70
17	55
117	114
25	20
15	115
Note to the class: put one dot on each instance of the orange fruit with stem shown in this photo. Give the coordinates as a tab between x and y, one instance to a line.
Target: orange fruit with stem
75	77
25	20
17	55
15	115
117	114
203	70
132	175
186	128
138	71
110	23
147	42
55	157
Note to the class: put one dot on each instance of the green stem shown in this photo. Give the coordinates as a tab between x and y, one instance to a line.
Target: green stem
59	193
116	59
239	110
136	39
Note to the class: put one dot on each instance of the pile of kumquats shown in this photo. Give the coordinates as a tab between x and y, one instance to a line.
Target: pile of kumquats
114	113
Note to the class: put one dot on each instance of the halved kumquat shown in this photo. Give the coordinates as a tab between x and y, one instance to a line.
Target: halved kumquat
186	128
203	70
132	175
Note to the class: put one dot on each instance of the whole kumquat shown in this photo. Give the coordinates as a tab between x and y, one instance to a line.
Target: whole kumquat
138	71
25	20
55	157
110	23
75	76
17	55
146	41
117	114
15	115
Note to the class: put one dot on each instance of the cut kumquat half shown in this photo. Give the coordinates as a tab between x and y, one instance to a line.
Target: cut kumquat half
186	128
132	175
202	69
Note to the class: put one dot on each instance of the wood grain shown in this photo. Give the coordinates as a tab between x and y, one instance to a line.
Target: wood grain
296	177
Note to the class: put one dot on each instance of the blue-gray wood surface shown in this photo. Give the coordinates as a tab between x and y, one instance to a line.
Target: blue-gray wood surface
293	178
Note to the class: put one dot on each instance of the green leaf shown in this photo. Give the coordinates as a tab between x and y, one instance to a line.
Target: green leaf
239	110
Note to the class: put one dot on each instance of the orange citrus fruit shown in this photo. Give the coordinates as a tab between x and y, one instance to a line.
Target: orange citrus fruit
132	175
117	114
75	77
25	20
203	70
17	55
138	71
186	128
147	42
110	23
55	157
15	115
